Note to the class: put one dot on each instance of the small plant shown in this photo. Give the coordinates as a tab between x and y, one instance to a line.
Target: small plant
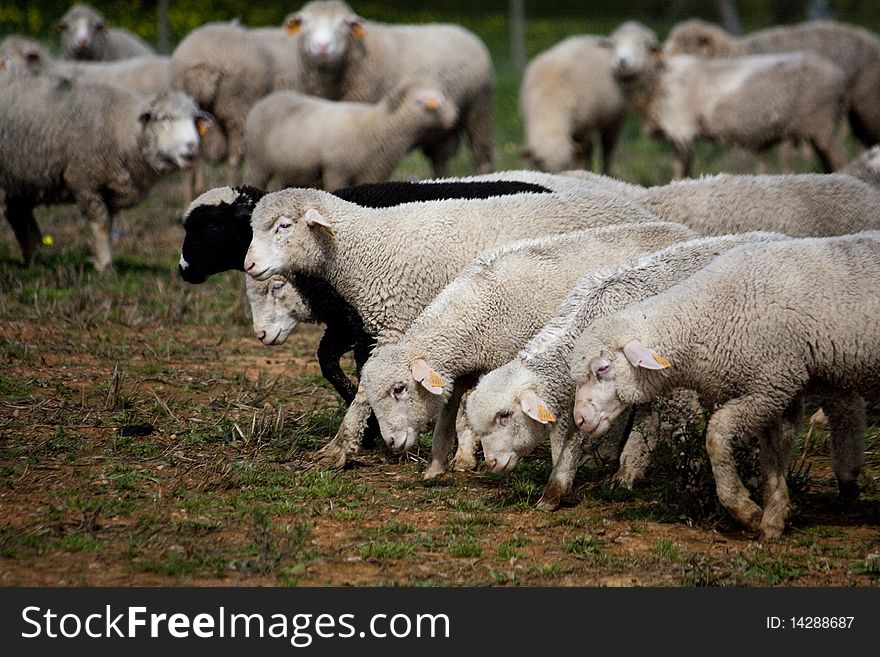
584	545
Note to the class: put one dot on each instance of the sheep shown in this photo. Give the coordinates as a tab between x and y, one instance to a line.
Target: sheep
86	35
226	70
96	145
345	57
752	101
282	49
481	318
498	408
218	232
866	167
568	95
147	75
313	142
389	264
798	205
23	53
855	50
751	333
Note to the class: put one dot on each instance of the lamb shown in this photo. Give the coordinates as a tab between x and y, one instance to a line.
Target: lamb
345	57
86	35
218	232
798	205
498	409
226	70
752	101
751	333
313	142
855	50
96	145
567	97
23	53
480	319
363	253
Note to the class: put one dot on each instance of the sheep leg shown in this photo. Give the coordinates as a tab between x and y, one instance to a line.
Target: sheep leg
583	151
636	454
194	185
846	420
830	150
444	430
775	453
681	165
347	441
235	156
478	126
565	464
101	222
20	215
609	138
741	416
334	343
439	151
466	454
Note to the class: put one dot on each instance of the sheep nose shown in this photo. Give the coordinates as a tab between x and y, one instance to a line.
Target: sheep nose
261	336
579	419
250	266
491	463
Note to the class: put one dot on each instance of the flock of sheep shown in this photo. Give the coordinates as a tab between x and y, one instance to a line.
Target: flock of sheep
519	307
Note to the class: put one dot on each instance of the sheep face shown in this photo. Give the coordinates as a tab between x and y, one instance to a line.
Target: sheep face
79	27
292	232
438	109
404	396
326	31
24	54
611	382
696	37
171	126
500	413
636	51
276	307
218	231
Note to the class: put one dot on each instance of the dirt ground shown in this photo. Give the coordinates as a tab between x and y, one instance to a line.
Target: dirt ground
217	486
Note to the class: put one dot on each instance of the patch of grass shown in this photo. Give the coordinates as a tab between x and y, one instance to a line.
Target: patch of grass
16	543
396	528
666	550
507	550
472	524
584	545
386	549
80	543
464	547
771	570
552	570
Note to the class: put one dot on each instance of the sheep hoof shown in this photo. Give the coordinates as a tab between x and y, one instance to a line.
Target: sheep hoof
433	471
623	478
464	463
552	497
753	518
849	491
771	529
331	457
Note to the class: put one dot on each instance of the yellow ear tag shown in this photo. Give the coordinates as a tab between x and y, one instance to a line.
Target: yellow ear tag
432	103
660	359
544	414
293	26
201	128
434	379
357	31
47	240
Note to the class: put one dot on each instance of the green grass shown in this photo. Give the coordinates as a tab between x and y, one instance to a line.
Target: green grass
387	549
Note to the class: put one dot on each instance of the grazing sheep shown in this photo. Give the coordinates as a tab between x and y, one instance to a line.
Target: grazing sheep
96	145
86	35
498	409
285	57
751	333
567	97
855	51
753	102
390	263
798	205
866	167
226	70
314	142
218	233
480	319
345	57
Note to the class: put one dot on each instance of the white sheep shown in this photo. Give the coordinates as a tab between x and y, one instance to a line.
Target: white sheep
86	35
567	97
855	50
499	408
390	263
799	205
96	145
226	69
479	320
751	333
753	101
313	142
345	57
866	167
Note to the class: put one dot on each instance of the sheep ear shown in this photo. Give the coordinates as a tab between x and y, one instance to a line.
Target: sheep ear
314	218
430	380
293	25
145	117
428	99
535	408
356	25
101	27
640	356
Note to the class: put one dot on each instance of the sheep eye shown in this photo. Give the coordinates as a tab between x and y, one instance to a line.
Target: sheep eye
397	390
283	224
276	288
503	418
